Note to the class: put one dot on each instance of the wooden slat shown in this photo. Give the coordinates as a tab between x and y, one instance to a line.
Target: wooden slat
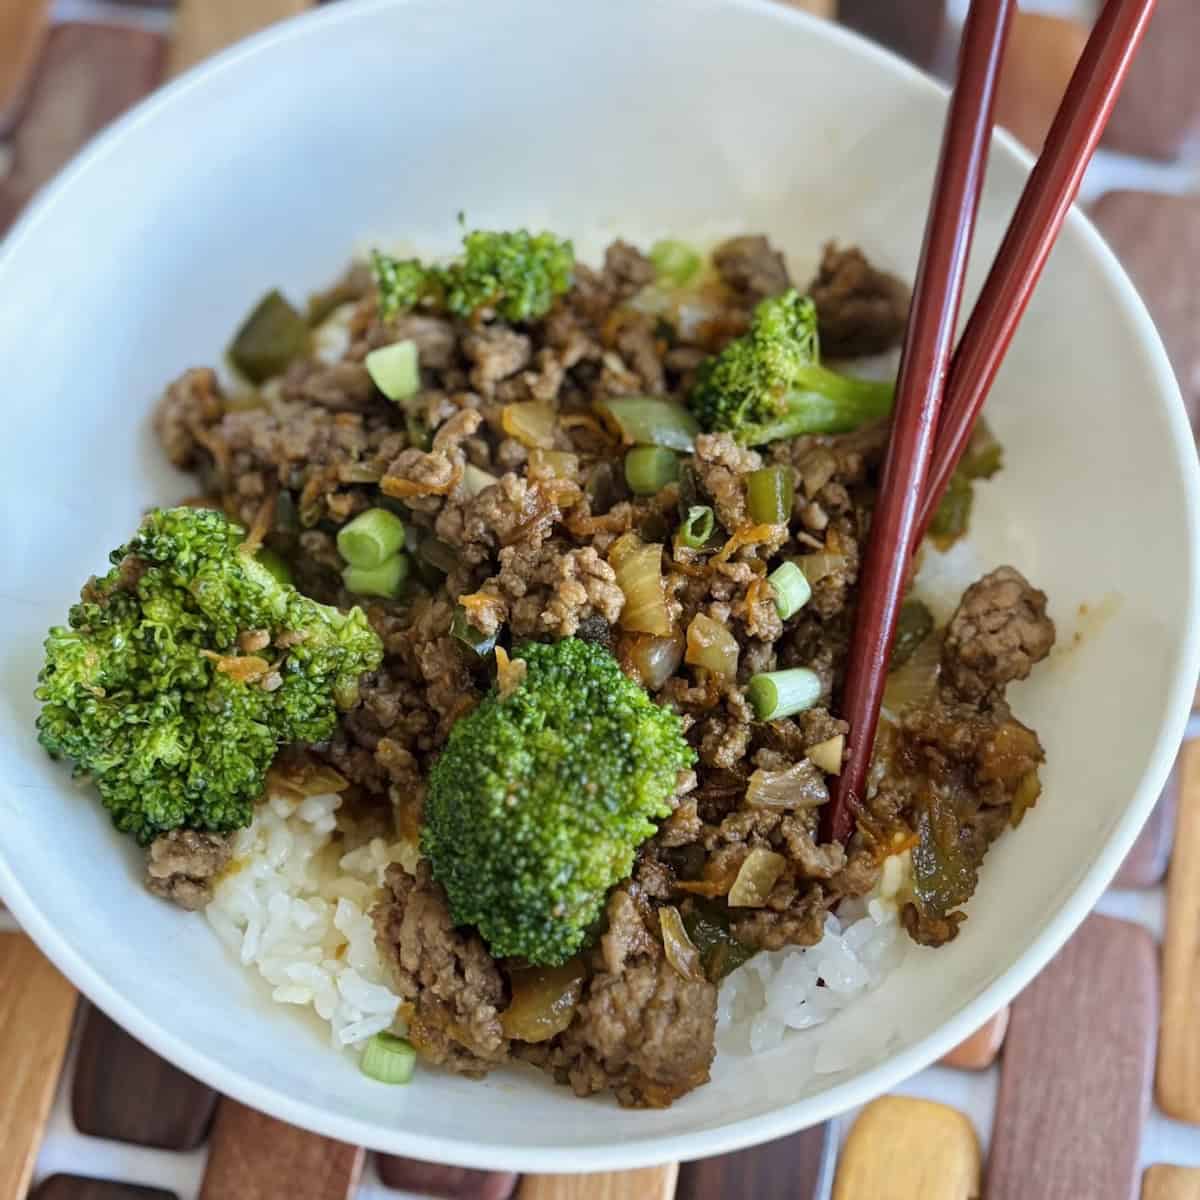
905	1149
787	1169
979	1051
1179	1040
1157	238
86	76
446	1183
126	1093
1076	1070
820	8
36	1008
653	1183
1171	1183
22	27
913	28
1159	106
1146	863
79	1187
254	1157
202	27
1042	53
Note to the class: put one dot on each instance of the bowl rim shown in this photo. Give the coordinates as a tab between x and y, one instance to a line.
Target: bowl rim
656	1149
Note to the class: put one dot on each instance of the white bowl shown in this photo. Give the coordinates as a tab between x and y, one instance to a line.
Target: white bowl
268	166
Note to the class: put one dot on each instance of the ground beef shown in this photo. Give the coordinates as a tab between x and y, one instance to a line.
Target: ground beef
641	1029
799	923
190	407
752	268
182	866
549	590
342	386
720	465
997	634
860	310
497	353
455	988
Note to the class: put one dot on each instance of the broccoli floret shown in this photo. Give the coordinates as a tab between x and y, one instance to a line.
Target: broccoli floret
769	384
542	796
160	687
517	274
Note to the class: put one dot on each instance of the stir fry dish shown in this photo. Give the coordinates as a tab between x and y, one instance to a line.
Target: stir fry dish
484	689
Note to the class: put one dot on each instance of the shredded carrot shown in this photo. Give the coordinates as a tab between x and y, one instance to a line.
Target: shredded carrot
473	602
242	668
261	526
400	488
748	535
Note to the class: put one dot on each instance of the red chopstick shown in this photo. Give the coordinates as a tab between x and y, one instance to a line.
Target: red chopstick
1044	204
936	297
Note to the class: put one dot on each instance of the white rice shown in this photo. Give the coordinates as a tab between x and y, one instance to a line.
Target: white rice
799	989
297	911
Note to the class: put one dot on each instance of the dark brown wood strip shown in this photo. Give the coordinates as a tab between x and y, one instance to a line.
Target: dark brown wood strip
87	75
1171	1183
78	1187
446	1183
1159	108
1179	1040
37	1007
912	28
1146	863
1157	238
255	1157
900	1148
787	1169
979	1051
126	1093
1076	1071
22	27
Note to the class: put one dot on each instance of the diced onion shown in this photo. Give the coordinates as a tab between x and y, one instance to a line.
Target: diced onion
758	875
655	659
510	673
475	479
639	575
532	423
799	786
817	468
712	646
560	463
681	950
828	754
543	1001
817	566
914	683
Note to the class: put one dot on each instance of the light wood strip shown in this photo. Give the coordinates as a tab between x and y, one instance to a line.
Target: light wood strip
36	1008
1042	53
254	1157
22	27
820	8
443	1183
202	27
905	1149
1171	1183
1076	1070
652	1183
979	1051
1179	1038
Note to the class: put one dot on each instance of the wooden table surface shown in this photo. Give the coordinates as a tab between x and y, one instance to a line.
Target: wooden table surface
1049	1102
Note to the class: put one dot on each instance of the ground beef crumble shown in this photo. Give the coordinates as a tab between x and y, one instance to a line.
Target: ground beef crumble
517	540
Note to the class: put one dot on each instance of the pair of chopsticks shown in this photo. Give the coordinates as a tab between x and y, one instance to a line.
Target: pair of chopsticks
938	400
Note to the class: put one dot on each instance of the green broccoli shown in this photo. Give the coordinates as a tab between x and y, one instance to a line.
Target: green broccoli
542	796
769	384
182	671
517	274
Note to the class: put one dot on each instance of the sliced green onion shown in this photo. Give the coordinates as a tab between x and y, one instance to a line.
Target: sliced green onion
275	564
389	1059
438	554
675	262
791	588
651	421
384	580
697	527
479	643
953	514
395	369
913	626
648	469
269	338
777	694
371	538
769	495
